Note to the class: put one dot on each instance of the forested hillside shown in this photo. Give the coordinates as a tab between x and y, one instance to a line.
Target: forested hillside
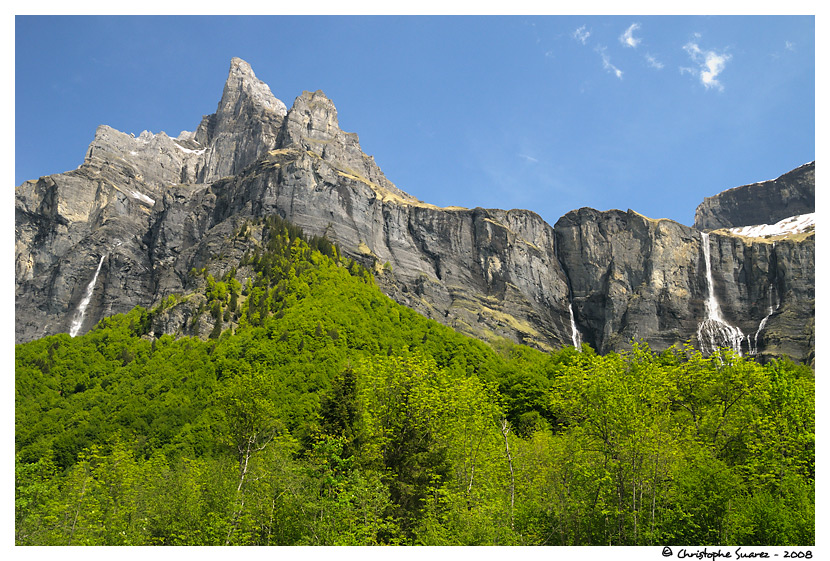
320	412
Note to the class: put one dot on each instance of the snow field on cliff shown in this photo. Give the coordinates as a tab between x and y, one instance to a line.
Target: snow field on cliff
791	225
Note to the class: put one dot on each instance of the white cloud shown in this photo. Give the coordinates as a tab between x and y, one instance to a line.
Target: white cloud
581	34
714	64
710	64
693	50
628	39
790	46
529	159
653	62
606	63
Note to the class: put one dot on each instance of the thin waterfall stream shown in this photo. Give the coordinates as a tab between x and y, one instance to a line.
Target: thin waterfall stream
78	318
576	337
753	344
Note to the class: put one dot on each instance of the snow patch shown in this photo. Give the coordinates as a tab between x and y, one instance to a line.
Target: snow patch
188	150
142	197
791	225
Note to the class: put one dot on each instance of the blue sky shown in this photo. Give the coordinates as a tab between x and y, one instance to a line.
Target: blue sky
551	113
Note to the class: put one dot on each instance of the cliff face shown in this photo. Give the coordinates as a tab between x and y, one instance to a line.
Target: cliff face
156	207
631	277
636	278
766	202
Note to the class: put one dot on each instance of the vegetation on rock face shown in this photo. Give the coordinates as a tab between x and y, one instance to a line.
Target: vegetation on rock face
320	412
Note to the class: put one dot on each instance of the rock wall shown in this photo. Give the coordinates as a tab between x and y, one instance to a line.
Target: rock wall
766	202
636	278
156	207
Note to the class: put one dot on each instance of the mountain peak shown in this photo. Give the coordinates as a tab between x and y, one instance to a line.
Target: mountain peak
766	202
246	124
315	120
242	86
241	65
312	126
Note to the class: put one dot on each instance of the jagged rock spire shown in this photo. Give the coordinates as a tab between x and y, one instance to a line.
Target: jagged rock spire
246	124
243	93
242	84
312	125
312	122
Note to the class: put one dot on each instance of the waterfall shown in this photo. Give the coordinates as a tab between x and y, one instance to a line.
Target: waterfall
78	319
753	349
713	332
575	335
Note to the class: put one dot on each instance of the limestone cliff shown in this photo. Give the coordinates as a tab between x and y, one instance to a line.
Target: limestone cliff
636	278
766	202
140	214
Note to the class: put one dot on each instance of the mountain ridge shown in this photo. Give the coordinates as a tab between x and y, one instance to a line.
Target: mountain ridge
156	207
764	202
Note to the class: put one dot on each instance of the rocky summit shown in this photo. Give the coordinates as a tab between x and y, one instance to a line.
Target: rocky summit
767	202
135	222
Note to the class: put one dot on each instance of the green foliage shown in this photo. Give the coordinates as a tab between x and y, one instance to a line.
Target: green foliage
330	415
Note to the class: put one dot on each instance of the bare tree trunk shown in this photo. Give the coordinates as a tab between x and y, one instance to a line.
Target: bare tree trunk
634	492
77	511
655	488
243	473
505	428
472	471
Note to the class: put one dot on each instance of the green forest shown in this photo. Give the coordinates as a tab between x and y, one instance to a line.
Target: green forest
320	412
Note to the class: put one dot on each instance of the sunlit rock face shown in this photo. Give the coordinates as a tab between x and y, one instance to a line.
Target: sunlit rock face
634	278
129	226
766	202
